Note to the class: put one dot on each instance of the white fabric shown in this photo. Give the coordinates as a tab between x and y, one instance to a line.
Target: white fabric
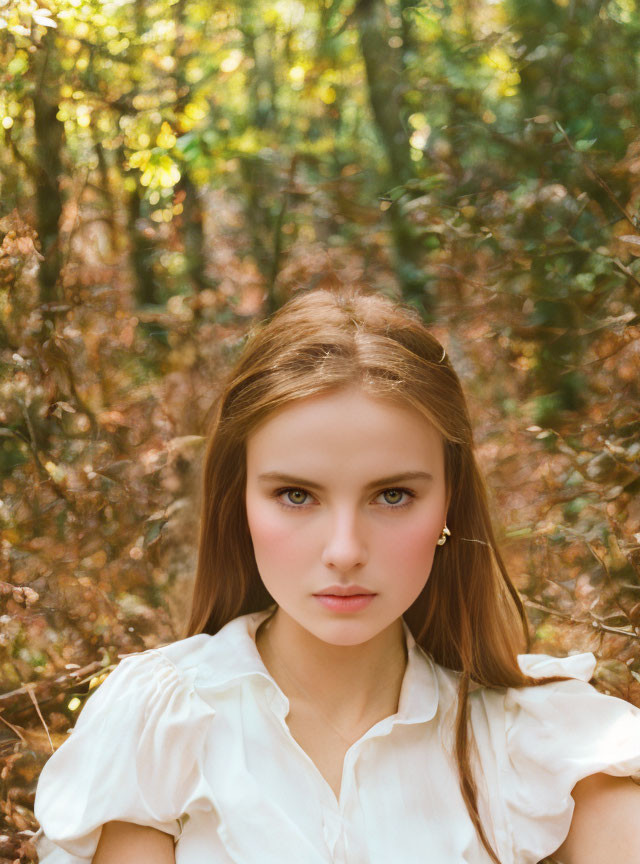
191	738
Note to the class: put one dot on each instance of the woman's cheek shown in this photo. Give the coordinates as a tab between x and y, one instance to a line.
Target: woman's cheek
414	545
274	533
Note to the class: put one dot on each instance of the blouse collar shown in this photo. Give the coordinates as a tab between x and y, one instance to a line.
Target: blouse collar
232	655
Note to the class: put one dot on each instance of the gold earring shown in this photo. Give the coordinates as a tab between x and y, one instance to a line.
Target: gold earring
442	539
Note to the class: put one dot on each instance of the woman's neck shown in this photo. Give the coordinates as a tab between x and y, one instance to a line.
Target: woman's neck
350	683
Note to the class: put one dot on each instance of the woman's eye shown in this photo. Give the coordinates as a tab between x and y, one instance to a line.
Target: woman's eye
293	497
397	497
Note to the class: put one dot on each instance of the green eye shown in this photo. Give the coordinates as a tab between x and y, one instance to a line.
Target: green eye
397	498
296	496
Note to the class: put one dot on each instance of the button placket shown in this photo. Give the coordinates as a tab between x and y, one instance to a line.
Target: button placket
334	811
332	828
348	800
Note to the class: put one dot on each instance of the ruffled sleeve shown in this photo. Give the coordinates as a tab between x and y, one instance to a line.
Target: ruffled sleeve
556	735
131	757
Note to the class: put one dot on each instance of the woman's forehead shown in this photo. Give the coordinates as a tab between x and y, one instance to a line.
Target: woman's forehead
348	424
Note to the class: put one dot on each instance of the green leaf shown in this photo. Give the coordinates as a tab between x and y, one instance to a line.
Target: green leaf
396	193
153	531
18	65
585	144
189	145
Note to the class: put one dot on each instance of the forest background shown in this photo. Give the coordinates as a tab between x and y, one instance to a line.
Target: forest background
173	170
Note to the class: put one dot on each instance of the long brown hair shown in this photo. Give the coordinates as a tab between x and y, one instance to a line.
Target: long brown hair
469	616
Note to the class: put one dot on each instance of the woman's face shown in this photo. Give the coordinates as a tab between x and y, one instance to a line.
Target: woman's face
344	489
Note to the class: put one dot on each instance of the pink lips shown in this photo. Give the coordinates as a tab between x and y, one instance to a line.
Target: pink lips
348	603
343	591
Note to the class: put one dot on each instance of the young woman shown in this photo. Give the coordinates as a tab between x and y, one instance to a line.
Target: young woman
351	687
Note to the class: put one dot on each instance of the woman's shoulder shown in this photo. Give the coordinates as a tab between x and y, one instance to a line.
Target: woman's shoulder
199	669
542	717
567	722
135	753
183	655
536	742
132	754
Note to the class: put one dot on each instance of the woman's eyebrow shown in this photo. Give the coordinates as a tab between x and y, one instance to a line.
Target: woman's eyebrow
381	481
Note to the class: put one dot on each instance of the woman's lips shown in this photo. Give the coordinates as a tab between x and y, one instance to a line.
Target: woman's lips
351	603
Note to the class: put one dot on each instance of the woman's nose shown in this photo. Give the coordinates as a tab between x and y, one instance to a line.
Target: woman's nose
345	546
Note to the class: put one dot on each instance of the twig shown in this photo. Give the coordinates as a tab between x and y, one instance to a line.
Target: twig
595	176
13	728
29	689
596	625
42	471
75	678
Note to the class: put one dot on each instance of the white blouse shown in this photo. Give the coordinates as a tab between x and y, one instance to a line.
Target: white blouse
191	738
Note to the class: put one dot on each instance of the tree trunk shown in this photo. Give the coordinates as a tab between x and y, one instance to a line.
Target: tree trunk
141	253
191	225
263	188
142	244
193	231
383	66
109	206
49	136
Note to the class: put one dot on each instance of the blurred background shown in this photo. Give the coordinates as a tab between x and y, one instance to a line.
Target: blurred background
174	170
